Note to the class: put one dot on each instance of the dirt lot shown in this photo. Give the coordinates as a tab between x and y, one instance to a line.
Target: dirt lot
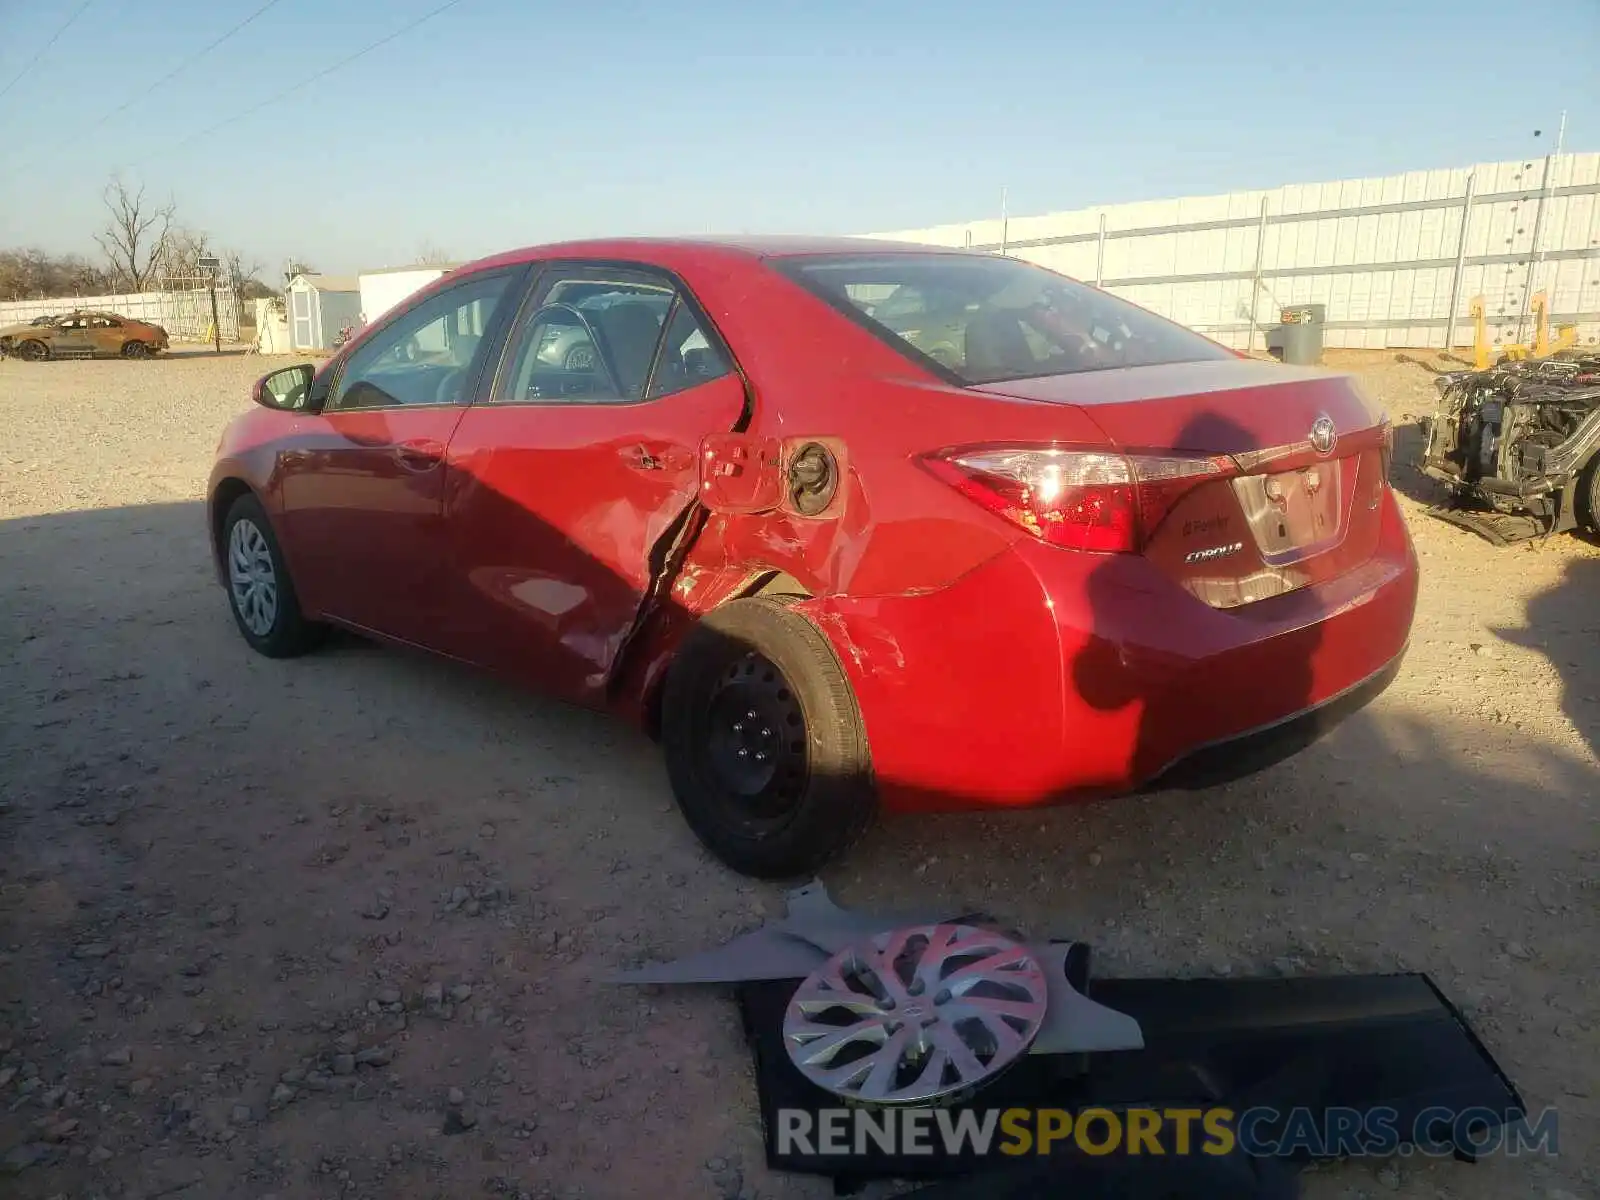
330	927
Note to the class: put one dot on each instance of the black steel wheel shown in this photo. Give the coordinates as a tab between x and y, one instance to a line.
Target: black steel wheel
763	740
135	349
752	743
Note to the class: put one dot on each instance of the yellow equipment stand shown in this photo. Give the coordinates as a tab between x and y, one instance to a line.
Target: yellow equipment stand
1480	335
1542	347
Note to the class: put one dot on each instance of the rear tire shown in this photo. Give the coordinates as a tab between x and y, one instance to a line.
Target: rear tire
764	742
261	594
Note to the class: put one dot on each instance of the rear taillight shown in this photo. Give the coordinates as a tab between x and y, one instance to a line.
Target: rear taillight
1079	499
1388	447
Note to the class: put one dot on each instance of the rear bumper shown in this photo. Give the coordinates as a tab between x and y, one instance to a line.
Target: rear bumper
1236	757
1046	675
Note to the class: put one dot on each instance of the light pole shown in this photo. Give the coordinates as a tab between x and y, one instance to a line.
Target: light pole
211	266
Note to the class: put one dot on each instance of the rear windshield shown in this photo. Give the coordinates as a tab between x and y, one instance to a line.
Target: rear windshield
981	319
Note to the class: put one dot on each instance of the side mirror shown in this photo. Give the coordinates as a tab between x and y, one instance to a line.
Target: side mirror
285	389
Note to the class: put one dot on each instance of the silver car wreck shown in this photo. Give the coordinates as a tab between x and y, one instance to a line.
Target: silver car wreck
1518	446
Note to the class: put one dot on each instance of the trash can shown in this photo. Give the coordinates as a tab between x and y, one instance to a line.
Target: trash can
1298	339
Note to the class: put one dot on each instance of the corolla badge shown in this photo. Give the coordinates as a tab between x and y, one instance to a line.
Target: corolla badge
1324	437
1211	553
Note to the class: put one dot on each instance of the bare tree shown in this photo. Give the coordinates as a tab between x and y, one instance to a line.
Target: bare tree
35	274
431	255
297	266
182	251
245	275
135	236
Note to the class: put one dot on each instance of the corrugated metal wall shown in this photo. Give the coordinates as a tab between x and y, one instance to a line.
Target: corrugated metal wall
1383	254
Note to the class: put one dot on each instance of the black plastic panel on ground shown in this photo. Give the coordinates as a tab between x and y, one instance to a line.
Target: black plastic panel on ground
1361	1042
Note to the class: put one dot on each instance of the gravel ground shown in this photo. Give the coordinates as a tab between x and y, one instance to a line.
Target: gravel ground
330	927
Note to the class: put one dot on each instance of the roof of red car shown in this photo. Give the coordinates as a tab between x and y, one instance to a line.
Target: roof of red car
667	250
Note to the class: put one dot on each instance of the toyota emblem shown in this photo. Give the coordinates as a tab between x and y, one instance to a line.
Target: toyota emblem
1323	435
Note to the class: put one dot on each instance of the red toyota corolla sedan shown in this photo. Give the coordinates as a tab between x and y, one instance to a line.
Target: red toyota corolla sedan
843	523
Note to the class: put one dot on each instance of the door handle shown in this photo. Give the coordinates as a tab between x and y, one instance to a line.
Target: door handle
419	456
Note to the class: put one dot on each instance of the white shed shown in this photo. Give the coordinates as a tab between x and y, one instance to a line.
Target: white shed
319	307
382	289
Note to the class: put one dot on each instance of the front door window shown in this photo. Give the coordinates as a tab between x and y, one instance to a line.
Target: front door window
426	356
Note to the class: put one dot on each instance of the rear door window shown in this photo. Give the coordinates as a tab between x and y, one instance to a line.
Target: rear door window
599	335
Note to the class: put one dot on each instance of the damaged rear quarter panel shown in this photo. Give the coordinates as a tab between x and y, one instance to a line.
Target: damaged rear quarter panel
895	532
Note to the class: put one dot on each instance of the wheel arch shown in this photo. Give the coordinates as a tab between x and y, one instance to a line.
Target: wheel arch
223	497
750	582
768	583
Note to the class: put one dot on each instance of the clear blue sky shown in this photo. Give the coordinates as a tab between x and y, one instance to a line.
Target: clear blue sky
505	122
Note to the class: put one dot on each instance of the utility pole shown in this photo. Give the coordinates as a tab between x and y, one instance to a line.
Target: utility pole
1538	228
1100	253
211	266
1461	263
1255	280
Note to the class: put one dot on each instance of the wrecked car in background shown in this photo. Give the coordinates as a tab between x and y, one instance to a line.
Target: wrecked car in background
82	335
1519	446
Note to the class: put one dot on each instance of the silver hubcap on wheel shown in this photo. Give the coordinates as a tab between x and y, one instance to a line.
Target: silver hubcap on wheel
251	578
916	1014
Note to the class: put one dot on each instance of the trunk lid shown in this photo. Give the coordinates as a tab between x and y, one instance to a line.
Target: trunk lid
1220	407
1298	501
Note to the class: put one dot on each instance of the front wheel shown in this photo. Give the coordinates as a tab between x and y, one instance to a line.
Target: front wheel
33	350
764	742
260	592
136	350
1588	482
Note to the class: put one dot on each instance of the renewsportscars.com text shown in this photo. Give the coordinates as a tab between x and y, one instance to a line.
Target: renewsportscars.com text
1260	1132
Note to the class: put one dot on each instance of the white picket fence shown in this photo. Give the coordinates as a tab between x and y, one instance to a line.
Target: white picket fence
185	313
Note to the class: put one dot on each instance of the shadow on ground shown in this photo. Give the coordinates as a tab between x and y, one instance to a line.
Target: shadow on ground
1564	625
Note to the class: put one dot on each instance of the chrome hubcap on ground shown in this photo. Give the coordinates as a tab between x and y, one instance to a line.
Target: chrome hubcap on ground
251	578
916	1014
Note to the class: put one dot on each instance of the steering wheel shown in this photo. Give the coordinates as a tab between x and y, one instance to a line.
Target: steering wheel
448	390
601	356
